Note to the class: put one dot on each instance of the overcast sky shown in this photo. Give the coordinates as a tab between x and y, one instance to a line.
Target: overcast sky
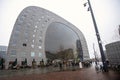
107	14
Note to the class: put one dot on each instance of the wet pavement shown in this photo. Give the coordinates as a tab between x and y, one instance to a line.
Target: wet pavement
55	74
20	72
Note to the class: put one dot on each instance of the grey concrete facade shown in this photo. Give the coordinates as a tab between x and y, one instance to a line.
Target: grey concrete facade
3	51
28	35
113	53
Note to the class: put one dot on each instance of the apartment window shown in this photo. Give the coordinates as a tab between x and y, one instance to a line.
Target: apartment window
32	54
33	41
40	54
43	25
13	42
24	44
16	35
33	35
26	33
18	28
35	30
13	52
39	19
40	47
35	26
32	46
40	37
40	41
42	17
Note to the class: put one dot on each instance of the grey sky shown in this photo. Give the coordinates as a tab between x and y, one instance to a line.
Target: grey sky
107	14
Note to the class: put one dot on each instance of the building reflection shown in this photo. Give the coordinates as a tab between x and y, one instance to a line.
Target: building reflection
62	43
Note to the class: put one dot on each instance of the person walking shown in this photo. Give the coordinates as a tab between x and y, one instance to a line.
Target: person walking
97	68
60	65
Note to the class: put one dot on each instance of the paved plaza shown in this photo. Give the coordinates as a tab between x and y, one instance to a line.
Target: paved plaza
55	74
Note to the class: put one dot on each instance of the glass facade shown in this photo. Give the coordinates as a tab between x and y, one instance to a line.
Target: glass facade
60	42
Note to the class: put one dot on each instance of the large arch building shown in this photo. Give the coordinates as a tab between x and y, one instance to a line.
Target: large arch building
29	33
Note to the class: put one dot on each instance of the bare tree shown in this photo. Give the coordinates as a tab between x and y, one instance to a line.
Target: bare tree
117	33
61	48
119	30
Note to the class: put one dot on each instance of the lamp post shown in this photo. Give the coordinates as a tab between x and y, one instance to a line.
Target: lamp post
98	37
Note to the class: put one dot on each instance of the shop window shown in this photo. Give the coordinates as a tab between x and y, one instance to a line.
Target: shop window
24	44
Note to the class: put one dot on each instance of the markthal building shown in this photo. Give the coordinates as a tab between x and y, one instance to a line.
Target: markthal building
39	34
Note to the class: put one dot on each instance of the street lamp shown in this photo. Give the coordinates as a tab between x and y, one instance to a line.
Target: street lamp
98	37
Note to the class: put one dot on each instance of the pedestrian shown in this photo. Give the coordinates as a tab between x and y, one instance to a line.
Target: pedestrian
97	68
80	65
60	65
73	65
2	61
101	68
